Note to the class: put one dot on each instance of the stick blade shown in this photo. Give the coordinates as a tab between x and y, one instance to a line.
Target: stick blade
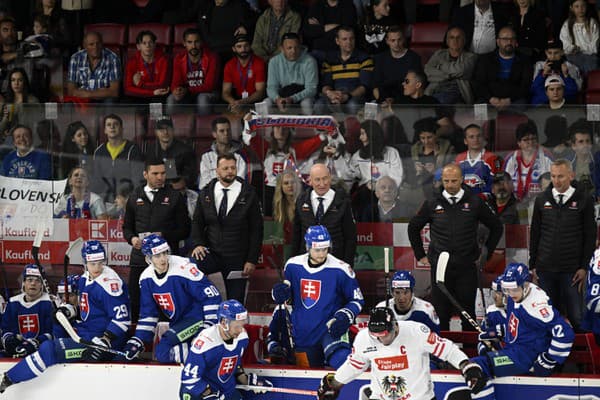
64	322
442	263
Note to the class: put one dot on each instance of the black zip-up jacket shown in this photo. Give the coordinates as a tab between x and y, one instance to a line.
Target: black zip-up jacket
562	238
453	228
238	238
338	220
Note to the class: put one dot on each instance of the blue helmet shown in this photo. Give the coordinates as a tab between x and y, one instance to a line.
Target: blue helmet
93	250
71	282
32	270
154	244
515	275
317	237
497	283
232	310
402	279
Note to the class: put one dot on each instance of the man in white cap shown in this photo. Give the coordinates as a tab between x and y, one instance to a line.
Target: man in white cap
555	90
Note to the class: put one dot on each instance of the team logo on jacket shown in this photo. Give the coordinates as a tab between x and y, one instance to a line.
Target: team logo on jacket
394	387
513	328
395	363
277	168
310	292
29	324
227	367
84	306
165	303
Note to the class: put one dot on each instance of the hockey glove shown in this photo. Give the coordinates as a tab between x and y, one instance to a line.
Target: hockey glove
255	380
326	390
133	348
474	377
281	292
27	346
68	310
493	333
275	349
339	324
211	396
95	354
10	344
544	365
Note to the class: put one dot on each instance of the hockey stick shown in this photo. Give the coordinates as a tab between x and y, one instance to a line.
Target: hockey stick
440	275
301	392
386	279
480	267
67	261
286	323
35	252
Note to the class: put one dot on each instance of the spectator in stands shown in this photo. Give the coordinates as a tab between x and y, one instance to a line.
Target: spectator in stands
58	26
147	73
443	215
375	25
8	46
429	153
195	72
229	222
528	162
503	77
391	66
94	72
273	23
555	92
449	128
178	157
346	76
223	144
337	159
190	196
371	162
80	203
579	35
581	157
504	199
287	190
77	148
322	21
153	207
25	161
413	90
481	21
450	70
220	20
322	205
529	23
17	94
387	207
116	161
49	142
292	76
116	210
556	130
562	240
245	76
478	165
555	64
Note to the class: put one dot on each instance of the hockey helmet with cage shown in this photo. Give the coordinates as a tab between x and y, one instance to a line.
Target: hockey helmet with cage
317	237
32	270
232	310
154	244
401	280
92	250
381	321
515	275
72	281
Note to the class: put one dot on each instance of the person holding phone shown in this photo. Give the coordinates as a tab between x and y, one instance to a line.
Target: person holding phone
555	64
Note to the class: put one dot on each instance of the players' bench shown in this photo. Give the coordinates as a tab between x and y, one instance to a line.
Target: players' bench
585	353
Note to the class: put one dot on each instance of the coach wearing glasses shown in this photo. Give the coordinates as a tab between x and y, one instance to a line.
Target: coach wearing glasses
503	77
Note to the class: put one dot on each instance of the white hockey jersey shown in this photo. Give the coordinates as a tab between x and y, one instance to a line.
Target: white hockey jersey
400	370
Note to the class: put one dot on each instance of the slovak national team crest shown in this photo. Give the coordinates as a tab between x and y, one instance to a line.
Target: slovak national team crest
84	306
165	303
310	292
227	367
29	324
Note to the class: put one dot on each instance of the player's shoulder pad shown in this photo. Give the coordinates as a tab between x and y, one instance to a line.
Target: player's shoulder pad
413	328
185	268
537	304
492	308
423	305
301	259
336	263
595	262
20	298
206	340
110	281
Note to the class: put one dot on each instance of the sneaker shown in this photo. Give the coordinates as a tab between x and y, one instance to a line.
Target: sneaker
6	382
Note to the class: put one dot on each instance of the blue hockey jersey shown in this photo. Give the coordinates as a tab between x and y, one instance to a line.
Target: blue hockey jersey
212	362
591	321
317	293
32	320
534	326
420	311
103	306
184	293
478	173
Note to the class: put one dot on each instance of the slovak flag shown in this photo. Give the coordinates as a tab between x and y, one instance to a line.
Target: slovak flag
165	303
310	292
227	367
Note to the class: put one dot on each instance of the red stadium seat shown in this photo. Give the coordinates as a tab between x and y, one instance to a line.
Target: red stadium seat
352	132
427	37
505	128
113	35
593	81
